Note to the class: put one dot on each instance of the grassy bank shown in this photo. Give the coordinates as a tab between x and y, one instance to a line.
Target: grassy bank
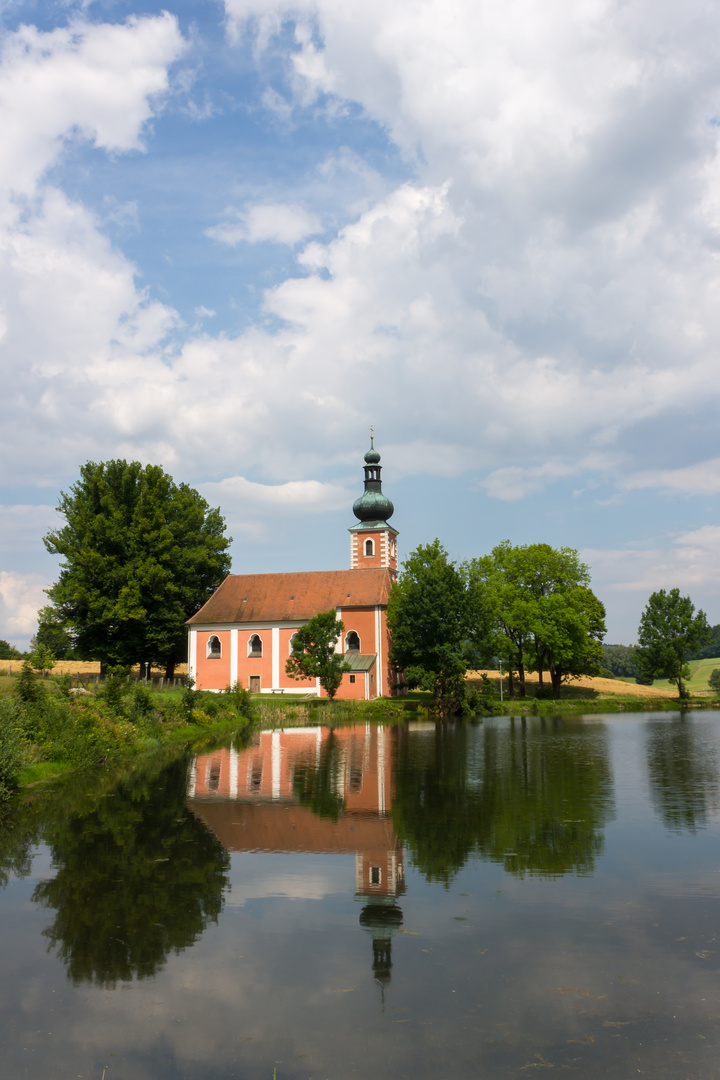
575	700
47	729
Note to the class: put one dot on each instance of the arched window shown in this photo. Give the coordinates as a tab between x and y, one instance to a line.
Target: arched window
255	645
214	648
369	548
290	643
352	642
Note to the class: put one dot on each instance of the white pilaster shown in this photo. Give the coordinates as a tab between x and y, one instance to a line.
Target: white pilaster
381	769
233	657
379	651
275	758
275	646
233	772
192	654
339	642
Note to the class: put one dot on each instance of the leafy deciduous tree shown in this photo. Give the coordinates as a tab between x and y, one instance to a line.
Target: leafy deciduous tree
620	659
544	613
436	617
141	555
670	631
313	653
53	635
7	652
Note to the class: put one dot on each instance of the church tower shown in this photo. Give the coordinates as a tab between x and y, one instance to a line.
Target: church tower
373	543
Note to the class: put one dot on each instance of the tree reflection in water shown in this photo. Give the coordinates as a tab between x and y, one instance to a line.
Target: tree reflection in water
683	772
317	783
533	795
137	877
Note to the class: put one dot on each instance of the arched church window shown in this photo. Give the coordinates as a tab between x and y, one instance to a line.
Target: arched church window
369	548
290	643
255	645
352	642
214	648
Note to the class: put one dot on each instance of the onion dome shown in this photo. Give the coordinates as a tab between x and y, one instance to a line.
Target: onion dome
373	506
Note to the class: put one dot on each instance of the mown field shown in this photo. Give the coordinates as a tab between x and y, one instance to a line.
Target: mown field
601	687
83	667
698	683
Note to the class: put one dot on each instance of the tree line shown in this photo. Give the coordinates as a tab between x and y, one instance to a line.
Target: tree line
141	554
522	607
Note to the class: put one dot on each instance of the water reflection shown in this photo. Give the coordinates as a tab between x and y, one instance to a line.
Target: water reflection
682	761
533	796
500	957
314	790
136	878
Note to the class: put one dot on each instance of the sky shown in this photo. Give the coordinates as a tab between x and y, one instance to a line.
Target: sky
233	236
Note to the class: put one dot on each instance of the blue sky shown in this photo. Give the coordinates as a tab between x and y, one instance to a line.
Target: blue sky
233	236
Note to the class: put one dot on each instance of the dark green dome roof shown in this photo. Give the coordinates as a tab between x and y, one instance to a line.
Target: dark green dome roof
373	506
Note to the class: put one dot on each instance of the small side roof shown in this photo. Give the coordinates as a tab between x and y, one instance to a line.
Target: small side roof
292	597
360	661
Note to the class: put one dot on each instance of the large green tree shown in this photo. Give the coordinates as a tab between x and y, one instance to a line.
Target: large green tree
53	634
545	616
141	555
313	653
437	621
670	632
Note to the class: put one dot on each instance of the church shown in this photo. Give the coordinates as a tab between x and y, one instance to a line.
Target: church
243	634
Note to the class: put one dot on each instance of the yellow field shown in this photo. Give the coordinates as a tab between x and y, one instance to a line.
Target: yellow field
82	667
602	686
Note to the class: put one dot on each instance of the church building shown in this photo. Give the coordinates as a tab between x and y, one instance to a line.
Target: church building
244	633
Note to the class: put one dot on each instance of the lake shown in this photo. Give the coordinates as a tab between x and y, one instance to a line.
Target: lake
486	900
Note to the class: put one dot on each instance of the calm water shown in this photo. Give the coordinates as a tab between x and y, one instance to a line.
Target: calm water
473	902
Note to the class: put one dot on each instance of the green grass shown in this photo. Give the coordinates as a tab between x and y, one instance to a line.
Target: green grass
698	683
44	770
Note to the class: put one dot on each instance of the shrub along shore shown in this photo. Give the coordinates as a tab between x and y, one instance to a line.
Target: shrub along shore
49	726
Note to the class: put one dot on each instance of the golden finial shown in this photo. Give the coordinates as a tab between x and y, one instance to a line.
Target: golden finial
372	436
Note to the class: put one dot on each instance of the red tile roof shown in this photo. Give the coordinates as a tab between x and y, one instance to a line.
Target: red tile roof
289	597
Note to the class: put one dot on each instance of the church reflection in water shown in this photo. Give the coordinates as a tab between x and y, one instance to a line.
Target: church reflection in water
313	790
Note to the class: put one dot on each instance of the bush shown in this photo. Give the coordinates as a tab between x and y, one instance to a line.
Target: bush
115	689
28	687
12	747
239	699
714	680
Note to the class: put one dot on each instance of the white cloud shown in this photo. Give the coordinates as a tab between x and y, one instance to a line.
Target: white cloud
295	887
92	80
625	577
277	222
546	283
21	597
236	494
574	295
702	478
74	319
